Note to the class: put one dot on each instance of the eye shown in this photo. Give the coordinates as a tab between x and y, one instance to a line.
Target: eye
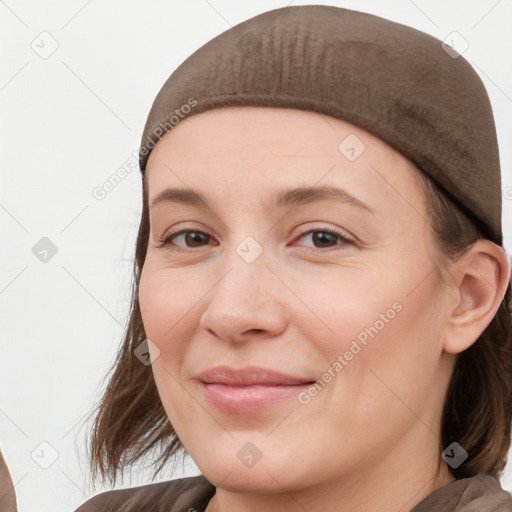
189	237
325	238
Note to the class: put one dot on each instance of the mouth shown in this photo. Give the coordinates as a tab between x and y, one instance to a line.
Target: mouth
249	390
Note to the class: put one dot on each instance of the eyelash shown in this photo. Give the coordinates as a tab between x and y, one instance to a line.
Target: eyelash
166	240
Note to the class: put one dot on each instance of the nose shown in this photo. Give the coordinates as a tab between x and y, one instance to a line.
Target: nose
245	303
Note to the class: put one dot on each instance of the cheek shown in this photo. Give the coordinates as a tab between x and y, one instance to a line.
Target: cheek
377	320
167	305
402	344
381	363
349	305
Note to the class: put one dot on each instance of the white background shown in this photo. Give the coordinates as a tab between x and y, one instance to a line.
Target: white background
71	120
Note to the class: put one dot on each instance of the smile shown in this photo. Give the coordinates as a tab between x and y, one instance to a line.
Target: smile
249	390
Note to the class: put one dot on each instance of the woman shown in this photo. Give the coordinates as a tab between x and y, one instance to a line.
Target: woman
321	312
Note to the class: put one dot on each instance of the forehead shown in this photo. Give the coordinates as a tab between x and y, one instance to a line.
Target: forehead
231	149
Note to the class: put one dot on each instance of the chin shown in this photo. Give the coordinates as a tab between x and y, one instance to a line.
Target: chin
230	467
259	479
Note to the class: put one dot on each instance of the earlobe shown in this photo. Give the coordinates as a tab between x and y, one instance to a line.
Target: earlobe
483	274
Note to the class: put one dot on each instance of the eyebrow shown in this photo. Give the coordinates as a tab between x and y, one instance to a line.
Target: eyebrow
290	197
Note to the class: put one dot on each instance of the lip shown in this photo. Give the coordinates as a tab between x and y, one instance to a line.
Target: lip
249	390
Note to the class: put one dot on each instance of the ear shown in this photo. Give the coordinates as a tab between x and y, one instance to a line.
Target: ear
481	278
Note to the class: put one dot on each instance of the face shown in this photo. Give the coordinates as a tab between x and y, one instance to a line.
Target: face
295	317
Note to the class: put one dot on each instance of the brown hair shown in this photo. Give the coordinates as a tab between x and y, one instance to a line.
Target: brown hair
477	412
130	421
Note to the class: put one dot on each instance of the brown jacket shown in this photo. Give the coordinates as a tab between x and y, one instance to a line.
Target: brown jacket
481	493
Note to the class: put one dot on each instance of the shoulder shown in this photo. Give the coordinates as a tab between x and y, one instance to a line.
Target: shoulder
486	493
481	492
184	495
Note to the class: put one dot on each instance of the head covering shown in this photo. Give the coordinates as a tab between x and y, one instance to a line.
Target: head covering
400	84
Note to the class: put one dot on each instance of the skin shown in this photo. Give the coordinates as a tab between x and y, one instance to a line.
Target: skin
369	440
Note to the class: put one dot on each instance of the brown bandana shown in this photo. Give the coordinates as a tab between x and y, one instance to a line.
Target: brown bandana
402	85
